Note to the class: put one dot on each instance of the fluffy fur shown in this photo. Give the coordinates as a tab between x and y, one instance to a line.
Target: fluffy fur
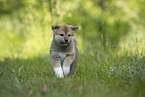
63	51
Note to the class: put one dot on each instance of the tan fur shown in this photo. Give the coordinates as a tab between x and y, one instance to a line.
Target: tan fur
63	51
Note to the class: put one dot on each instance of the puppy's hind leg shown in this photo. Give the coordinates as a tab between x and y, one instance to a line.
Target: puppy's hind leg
74	64
73	68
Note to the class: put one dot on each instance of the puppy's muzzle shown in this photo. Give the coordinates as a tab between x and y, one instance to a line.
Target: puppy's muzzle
65	39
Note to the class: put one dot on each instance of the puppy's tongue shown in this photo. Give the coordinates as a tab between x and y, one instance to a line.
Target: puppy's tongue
65	43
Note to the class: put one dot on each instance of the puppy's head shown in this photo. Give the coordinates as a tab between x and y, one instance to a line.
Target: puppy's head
63	34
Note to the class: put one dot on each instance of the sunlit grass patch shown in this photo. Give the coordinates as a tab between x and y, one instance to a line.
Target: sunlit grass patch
133	42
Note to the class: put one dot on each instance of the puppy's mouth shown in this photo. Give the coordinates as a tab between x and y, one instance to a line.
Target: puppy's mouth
65	43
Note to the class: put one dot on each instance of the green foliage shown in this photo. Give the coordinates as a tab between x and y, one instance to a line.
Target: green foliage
110	41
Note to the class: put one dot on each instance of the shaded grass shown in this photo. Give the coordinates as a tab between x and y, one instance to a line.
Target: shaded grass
97	75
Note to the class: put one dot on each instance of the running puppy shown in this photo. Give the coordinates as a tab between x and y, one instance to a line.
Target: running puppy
63	51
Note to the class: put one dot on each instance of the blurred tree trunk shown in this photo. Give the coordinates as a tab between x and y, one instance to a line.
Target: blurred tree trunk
103	6
54	7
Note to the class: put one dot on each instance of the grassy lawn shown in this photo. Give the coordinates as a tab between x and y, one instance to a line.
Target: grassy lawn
104	69
99	74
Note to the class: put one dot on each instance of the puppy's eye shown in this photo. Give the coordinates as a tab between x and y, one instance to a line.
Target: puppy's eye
61	34
69	35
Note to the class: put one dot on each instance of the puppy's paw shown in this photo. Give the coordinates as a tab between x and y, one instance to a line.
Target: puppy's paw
58	72
66	70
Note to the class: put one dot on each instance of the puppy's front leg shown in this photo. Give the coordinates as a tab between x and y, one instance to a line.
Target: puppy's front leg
67	63
55	61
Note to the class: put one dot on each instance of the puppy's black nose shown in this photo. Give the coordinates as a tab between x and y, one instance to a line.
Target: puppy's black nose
65	39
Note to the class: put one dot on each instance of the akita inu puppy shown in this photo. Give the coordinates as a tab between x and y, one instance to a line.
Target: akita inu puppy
63	51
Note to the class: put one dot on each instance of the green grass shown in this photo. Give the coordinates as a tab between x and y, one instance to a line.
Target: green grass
105	69
99	74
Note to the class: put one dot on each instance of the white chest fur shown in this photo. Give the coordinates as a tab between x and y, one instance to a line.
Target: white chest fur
62	55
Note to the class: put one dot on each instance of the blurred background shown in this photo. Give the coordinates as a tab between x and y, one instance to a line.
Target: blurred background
114	26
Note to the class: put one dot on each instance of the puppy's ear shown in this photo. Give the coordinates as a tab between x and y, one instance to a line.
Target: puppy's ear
74	28
55	27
